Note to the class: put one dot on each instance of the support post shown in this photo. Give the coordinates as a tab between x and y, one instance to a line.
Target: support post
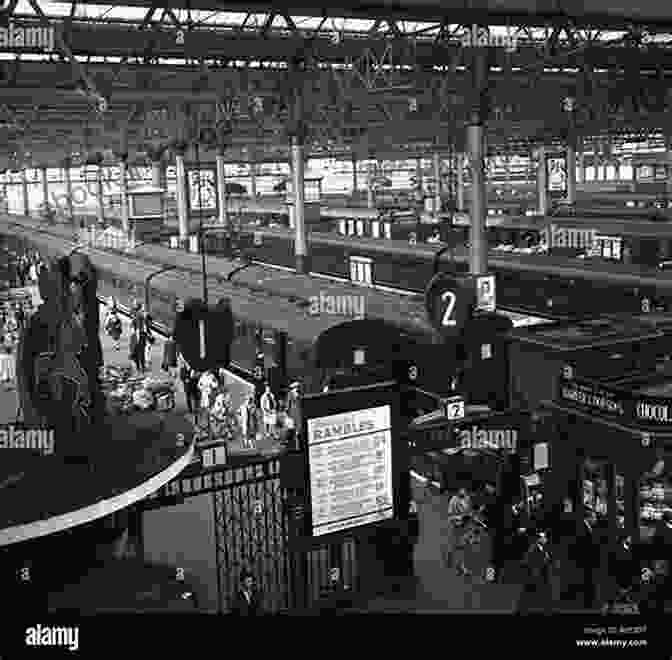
300	239
181	194
123	186
253	179
158	181
68	190
437	183
354	176
581	174
25	191
45	190
100	194
542	182
222	200
571	173
478	249
460	181
370	194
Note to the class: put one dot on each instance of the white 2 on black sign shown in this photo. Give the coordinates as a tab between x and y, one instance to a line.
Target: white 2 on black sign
350	462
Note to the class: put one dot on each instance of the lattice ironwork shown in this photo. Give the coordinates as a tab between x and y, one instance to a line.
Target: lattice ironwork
251	534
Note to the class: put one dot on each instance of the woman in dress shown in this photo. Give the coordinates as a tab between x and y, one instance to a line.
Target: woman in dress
7	367
269	410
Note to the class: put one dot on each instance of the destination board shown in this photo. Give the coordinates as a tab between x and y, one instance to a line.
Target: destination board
350	468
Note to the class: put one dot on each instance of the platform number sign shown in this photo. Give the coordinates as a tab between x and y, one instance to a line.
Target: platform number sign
454	408
449	303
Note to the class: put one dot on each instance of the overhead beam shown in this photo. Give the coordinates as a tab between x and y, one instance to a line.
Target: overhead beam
116	40
527	12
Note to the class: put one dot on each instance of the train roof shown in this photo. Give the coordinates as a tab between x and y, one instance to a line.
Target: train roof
281	301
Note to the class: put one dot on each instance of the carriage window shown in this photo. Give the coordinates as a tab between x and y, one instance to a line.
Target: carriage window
361	270
375	228
387	230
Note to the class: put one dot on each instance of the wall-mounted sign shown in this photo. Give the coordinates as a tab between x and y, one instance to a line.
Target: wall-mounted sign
350	468
485	293
556	169
204	198
592	397
633	408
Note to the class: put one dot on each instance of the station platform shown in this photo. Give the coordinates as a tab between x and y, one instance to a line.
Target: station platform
130	458
258	293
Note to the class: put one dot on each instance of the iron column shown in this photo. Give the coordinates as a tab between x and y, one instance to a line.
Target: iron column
460	181
68	190
221	189
571	172
45	190
437	183
542	183
100	192
181	194
24	188
478	249
300	239
123	185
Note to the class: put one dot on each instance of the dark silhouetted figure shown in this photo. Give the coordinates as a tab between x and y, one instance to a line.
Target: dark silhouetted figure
248	599
536	595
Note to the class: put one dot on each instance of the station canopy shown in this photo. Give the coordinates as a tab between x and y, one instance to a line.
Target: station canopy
384	80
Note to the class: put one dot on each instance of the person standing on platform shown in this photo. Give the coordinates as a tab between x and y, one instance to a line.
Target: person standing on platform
207	385
7	367
588	548
459	511
150	339
169	361
252	422
248	599
269	411
113	327
189	380
294	415
20	317
138	351
492	511
536	594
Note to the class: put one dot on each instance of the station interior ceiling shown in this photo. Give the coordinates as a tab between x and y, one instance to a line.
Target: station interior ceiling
366	81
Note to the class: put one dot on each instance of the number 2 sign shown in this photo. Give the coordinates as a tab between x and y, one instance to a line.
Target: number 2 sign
449	302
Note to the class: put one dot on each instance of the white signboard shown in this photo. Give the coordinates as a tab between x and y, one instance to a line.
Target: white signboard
350	463
485	293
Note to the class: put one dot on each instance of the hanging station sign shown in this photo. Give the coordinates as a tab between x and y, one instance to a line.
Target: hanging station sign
449	302
630	407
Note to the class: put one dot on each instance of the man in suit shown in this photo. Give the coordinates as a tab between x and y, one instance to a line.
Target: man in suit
536	593
248	600
588	546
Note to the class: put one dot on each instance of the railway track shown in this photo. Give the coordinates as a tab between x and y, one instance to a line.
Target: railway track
144	266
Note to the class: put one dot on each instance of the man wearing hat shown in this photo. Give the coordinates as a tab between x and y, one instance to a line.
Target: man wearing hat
294	414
